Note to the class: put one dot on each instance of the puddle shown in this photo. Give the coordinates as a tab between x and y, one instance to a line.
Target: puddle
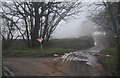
81	56
74	56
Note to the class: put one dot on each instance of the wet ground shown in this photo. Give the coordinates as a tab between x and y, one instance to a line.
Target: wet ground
78	63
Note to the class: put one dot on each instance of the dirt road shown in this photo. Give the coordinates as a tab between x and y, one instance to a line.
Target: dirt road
47	66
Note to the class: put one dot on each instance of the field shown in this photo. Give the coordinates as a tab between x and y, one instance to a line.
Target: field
73	43
55	46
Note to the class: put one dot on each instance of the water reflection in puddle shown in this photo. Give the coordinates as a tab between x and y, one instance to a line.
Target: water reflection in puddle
80	56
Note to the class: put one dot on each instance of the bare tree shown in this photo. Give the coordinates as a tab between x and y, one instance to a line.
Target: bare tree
8	32
10	24
108	18
40	19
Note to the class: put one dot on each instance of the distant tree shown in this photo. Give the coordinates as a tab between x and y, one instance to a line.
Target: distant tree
109	18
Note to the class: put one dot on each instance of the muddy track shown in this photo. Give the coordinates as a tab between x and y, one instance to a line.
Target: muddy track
47	66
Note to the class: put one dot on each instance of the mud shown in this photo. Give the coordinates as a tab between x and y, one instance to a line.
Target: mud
48	66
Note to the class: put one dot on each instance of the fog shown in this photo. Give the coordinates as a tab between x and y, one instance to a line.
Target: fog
78	26
75	29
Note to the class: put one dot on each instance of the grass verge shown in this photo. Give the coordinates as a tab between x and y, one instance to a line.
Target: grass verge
109	63
37	52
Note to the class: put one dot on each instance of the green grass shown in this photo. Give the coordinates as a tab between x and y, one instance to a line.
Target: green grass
110	63
36	52
110	49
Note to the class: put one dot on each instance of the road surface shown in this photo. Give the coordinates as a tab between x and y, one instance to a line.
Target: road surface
47	66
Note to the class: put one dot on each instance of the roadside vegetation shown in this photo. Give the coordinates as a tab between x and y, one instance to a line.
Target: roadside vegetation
55	46
110	63
84	42
35	52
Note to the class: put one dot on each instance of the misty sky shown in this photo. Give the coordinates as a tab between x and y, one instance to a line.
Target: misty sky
74	28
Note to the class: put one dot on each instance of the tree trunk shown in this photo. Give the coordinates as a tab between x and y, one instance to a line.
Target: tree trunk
35	33
118	52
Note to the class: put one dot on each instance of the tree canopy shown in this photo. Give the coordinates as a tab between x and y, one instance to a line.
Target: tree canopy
33	20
